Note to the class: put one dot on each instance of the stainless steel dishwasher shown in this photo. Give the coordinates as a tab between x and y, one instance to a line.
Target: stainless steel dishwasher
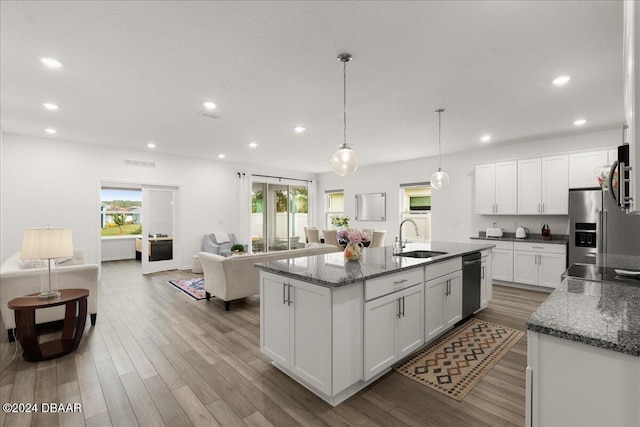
470	283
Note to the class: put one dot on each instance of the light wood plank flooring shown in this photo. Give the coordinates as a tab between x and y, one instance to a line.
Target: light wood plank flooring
156	358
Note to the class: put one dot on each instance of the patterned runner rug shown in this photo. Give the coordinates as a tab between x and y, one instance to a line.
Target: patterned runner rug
457	361
193	287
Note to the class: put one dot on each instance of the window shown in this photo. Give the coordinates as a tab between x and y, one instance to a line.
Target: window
334	206
415	202
120	211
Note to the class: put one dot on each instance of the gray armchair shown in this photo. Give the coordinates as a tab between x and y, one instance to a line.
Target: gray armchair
211	245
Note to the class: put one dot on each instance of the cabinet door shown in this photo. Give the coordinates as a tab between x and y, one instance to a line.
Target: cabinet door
551	268
274	319
555	185
434	307
502	265
529	192
380	334
506	181
582	168
486	286
525	267
485	188
453	301
411	320
311	334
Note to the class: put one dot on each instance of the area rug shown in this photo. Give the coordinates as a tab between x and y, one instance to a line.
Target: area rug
457	361
193	287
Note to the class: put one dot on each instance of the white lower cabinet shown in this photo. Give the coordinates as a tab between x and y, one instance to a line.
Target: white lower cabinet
297	334
486	285
539	264
443	303
393	328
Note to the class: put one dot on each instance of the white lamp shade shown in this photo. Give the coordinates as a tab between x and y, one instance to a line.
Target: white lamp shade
439	179
344	161
46	243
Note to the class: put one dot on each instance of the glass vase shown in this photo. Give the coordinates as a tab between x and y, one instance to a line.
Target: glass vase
353	251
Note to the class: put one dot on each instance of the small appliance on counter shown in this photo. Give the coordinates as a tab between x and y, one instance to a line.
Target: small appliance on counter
494	232
521	232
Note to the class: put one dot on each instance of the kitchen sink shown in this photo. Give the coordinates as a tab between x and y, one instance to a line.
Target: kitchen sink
420	254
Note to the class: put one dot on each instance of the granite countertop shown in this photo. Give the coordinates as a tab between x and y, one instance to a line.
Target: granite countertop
601	314
331	270
557	239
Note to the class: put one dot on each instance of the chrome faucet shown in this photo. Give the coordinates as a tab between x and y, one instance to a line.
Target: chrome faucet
403	243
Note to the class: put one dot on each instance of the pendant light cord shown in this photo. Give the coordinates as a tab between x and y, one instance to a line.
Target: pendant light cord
345	102
439	138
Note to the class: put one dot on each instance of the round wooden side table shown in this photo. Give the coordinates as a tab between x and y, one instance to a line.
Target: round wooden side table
75	302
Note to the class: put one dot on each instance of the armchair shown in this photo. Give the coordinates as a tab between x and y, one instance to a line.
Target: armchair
219	243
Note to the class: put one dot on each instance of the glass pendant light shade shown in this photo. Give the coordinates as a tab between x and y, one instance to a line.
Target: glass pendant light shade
439	179
344	161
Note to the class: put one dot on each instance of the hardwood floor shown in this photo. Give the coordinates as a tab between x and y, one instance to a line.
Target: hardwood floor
156	357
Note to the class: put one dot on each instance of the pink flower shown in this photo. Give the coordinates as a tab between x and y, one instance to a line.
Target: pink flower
354	236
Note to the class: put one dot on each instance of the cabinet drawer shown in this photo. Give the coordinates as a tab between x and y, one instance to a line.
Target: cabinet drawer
439	269
384	285
540	247
499	244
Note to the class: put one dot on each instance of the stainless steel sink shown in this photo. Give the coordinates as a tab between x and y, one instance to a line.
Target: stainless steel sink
420	254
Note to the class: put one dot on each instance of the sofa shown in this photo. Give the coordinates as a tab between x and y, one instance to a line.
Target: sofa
234	277
19	278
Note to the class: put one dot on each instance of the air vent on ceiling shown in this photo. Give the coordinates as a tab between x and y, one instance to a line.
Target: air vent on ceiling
209	115
139	163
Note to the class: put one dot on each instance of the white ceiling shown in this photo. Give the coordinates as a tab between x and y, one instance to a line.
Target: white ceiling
136	72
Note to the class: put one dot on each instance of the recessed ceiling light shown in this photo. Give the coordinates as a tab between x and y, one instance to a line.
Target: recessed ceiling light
559	81
50	106
221	156
51	63
580	122
299	129
253	144
151	145
485	138
51	131
209	105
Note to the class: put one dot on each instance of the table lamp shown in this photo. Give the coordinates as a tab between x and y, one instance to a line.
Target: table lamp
47	243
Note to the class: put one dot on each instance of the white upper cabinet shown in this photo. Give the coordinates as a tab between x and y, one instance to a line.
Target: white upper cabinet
543	186
583	166
496	188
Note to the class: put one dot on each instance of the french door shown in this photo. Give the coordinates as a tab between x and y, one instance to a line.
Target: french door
160	241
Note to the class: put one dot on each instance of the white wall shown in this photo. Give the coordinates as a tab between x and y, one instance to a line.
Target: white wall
47	181
453	217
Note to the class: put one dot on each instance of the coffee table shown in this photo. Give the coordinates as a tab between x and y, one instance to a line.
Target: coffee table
75	302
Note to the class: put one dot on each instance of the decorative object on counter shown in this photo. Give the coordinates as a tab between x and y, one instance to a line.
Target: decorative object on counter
340	221
546	232
439	179
237	249
193	287
602	174
344	161
353	270
354	240
456	362
521	232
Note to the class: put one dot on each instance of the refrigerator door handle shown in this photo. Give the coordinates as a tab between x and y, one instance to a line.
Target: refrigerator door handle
612	191
604	232
600	232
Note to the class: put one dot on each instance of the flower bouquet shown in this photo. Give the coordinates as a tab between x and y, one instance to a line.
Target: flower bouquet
354	239
340	221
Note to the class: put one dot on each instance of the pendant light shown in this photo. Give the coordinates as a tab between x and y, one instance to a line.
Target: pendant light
344	161
439	179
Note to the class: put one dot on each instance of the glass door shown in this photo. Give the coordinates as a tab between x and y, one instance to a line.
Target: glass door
159	237
278	217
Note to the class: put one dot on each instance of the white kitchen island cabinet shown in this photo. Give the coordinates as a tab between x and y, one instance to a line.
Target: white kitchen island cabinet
443	297
336	327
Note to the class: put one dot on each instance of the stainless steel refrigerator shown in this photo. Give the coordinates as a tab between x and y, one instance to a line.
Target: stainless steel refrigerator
598	225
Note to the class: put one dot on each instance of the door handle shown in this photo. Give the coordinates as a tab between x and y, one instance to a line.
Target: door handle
482	273
402	306
612	192
542	207
399	309
397	282
284	294
289	295
539	211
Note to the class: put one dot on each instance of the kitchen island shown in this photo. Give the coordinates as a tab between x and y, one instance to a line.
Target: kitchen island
337	326
583	351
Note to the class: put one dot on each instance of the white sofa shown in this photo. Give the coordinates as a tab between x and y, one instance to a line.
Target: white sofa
17	279
235	277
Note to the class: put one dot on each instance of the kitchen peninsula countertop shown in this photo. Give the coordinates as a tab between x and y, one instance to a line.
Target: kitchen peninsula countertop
558	239
331	270
598	313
